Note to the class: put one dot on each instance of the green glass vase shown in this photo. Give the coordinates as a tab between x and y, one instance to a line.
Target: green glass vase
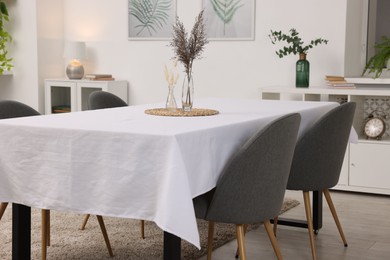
302	72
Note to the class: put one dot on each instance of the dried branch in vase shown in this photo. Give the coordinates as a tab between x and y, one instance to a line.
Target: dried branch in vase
189	49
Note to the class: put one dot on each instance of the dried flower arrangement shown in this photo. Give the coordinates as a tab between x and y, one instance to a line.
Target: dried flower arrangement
171	75
188	49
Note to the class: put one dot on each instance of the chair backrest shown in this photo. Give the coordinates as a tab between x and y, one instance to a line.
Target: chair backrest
104	99
252	186
11	109
319	152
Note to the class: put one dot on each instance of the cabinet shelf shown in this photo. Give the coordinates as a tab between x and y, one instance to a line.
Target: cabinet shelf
365	165
62	95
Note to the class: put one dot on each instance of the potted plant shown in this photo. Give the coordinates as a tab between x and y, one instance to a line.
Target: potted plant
380	60
296	46
5	38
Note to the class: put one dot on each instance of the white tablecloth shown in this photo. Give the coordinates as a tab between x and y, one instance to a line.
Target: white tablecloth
122	162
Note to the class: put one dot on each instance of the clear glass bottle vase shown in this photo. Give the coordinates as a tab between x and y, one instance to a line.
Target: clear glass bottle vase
187	96
170	104
302	72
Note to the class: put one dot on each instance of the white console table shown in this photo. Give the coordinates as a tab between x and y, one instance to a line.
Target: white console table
366	167
73	95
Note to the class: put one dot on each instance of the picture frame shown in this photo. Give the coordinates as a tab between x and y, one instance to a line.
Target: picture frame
230	19
151	19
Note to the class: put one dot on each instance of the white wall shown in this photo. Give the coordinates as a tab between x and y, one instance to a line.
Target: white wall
23	84
229	68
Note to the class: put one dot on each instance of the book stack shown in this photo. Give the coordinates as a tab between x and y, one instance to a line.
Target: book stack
338	82
99	77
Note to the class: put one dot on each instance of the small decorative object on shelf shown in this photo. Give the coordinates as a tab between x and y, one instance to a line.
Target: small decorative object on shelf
171	76
296	46
381	60
187	50
99	77
375	126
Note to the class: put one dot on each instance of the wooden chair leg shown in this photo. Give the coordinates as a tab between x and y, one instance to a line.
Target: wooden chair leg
272	238
241	241
86	217
210	238
306	198
3	206
335	217
104	232
48	238
275	224
44	240
143	229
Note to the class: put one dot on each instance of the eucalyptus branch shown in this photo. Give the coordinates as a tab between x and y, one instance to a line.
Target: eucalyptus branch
188	49
295	43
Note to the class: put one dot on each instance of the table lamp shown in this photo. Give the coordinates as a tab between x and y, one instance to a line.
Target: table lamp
75	51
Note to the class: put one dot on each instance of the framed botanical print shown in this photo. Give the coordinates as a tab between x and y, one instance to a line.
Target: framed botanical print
230	19
151	19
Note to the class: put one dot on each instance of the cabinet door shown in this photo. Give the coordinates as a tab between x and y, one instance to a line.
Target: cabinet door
369	165
86	88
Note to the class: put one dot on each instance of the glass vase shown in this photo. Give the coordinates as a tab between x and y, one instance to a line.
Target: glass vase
187	96
302	72
171	101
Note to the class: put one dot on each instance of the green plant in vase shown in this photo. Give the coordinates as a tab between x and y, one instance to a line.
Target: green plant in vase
187	49
381	60
296	46
5	38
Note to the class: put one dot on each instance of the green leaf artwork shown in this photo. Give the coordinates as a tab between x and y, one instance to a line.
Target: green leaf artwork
225	10
152	15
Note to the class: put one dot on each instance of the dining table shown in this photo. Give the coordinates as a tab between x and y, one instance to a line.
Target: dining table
123	162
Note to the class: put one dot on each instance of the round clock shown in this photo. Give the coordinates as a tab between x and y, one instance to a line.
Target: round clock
374	127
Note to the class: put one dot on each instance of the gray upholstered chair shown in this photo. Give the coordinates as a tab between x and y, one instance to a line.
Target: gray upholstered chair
104	99
318	159
13	109
253	183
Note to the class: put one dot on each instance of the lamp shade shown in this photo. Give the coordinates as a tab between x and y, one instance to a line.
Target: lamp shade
75	50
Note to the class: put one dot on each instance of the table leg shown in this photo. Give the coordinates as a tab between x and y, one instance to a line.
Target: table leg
21	232
317	215
317	211
172	246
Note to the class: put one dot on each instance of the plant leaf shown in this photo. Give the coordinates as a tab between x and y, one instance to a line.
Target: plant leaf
226	9
152	15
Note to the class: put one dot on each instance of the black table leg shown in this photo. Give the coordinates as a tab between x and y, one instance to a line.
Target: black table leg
172	246
317	211
317	215
21	232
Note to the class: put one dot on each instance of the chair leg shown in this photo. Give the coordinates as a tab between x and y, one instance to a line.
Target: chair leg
210	238
104	232
238	249
86	217
3	206
48	227
241	241
275	224
143	229
272	238
306	198
335	217
45	232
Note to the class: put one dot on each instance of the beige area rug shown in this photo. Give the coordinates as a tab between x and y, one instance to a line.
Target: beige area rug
68	242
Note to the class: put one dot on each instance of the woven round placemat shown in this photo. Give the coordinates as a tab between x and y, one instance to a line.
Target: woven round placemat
180	112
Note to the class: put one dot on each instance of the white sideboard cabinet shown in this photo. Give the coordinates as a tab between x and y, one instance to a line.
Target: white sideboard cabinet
63	95
366	164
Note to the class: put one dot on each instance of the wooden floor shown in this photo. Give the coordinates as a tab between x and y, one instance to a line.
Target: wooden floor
365	220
